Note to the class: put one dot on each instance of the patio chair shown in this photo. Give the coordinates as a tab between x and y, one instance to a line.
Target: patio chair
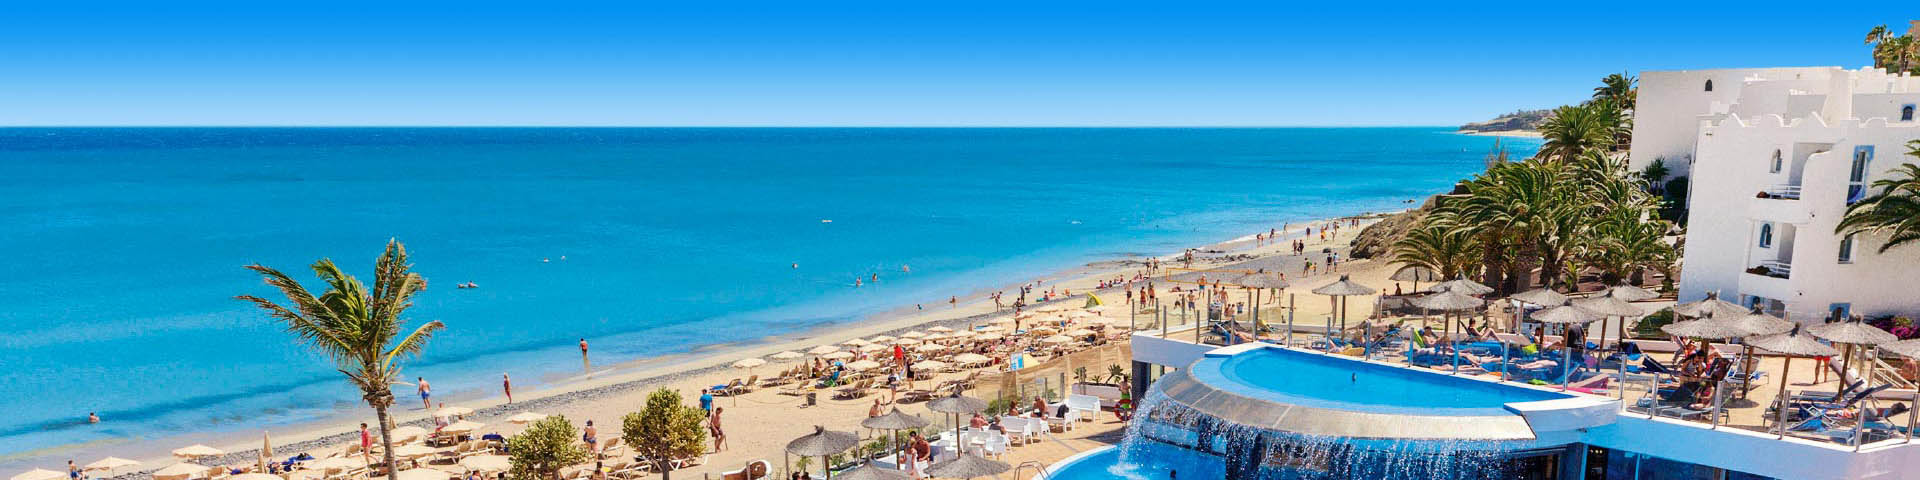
1087	405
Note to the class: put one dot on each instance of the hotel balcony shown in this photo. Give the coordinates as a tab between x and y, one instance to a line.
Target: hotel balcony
1779	203
1769	279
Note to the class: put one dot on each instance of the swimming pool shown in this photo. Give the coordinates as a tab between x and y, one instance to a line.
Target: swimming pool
1300	377
1150	460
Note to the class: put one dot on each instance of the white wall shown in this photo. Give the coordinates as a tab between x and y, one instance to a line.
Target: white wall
1671	106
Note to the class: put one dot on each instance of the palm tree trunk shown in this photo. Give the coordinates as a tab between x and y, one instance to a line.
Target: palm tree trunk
386	439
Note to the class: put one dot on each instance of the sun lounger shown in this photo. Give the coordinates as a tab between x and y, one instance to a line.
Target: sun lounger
753	470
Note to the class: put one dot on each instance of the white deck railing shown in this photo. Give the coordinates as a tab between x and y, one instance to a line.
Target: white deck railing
1785	192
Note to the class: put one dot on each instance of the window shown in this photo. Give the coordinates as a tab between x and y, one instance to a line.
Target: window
1839	311
1709	85
1857	173
1776	162
1766	235
1846	248
1906	113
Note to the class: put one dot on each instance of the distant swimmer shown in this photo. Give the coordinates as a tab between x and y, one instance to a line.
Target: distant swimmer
826	220
856	282
545	260
796	265
93	417
905	269
563	258
876	278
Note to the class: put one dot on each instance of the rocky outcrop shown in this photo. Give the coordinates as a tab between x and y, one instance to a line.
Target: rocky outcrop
1375	240
1520	120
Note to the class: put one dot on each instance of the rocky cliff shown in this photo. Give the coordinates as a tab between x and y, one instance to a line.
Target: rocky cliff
1520	120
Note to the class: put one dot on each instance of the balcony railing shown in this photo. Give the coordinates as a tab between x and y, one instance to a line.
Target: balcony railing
1781	192
1772	268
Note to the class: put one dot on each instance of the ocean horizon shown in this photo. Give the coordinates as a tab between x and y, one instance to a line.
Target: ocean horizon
126	243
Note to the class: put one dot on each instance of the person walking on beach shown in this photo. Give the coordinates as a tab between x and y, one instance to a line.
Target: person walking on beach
426	393
592	437
713	427
706	401
584	364
366	444
953	301
73	471
506	386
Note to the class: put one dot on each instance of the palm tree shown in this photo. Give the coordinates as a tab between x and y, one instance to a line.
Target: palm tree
1877	37
1574	129
1895	211
1439	245
1618	87
354	327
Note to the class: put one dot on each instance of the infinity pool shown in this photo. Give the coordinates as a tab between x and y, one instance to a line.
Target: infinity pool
1335	382
1145	461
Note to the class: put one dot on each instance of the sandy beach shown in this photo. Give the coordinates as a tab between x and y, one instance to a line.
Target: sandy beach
759	423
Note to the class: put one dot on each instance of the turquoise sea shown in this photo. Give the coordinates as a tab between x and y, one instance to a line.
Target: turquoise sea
123	247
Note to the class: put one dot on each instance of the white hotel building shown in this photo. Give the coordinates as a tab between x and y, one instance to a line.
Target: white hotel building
1774	156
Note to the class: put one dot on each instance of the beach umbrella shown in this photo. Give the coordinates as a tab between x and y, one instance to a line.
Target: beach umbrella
823	350
1705	329
111	463
870	472
1911	350
266	451
1631	293
970	358
1004	320
931	347
486	463
253	476
990	329
1710	305
934	336
960	335
893	422
821	443
863	365
44	474
1415	274
1541	296
412	451
967	466
875	347
855	342
197	451
1057	339
1078	332
1571	316
333	463
407	433
1339	291
882	339
1790	344
787	356
930	365
914	334
1449	301
1611	306
748	363
989	336
421	474
957	405
940	329
837	356
1856	334
463	426
526	417
1462	285
454	411
1258	282
178	470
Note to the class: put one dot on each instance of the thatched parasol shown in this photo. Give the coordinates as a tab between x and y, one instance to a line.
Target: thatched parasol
893	422
1710	305
1911	350
1541	296
1609	305
967	466
1790	344
957	405
1856	334
1462	285
870	472
1339	291
821	443
1415	274
1631	293
1449	301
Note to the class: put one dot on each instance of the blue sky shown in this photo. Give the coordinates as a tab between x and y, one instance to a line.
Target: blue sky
750	62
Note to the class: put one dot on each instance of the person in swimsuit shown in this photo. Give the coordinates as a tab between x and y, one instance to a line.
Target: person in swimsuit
366	444
592	437
506	386
426	393
713	427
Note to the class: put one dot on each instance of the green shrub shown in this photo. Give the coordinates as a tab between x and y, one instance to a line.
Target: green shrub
543	449
665	429
1650	327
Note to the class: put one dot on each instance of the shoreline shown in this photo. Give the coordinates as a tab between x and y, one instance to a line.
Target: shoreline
645	373
1502	133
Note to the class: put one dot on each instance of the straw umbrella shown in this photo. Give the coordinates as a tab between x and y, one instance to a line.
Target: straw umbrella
197	451
453	411
526	417
1540	296
748	364
957	405
421	474
1790	344
1570	316
1710	305
1710	328
1756	323
822	443
837	356
882	339
487	463
863	365
1462	285
893	422
1911	350
1631	293
1258	282
253	476
110	464
967	466
1340	290
970	358
1449	301
856	343
1415	274
1854	333
266	450
44	474
940	329
787	356
407	433
870	472
823	350
178	470
1610	306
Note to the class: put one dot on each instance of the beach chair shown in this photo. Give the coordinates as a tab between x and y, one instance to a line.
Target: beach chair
613	448
751	383
684	462
1019	429
857	390
753	470
1065	420
1088	406
995	446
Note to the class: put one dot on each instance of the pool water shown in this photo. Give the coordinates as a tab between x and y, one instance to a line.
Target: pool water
1140	461
1328	381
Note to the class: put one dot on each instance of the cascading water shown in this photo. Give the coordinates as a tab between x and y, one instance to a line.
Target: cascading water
1240	452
